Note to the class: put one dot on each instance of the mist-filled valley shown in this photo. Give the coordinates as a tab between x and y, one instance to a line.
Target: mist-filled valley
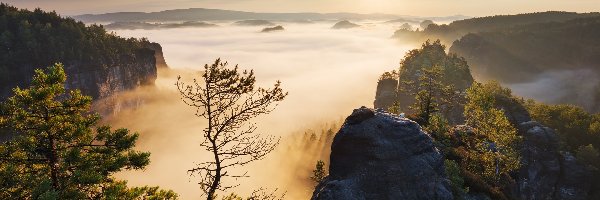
319	104
317	65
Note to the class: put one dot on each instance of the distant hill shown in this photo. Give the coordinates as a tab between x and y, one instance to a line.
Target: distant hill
345	25
254	22
272	29
528	53
146	25
457	29
203	14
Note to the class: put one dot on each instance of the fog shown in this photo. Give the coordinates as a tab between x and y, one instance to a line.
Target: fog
578	87
326	72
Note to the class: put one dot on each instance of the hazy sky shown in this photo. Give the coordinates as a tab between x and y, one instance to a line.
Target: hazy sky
401	7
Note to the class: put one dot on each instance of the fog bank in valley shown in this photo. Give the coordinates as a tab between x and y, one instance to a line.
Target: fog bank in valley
326	72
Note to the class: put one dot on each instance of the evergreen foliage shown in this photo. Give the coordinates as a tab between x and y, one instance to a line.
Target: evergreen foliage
58	150
319	173
36	38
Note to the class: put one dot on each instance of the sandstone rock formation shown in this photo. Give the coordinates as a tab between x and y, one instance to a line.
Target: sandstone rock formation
547	173
377	155
386	93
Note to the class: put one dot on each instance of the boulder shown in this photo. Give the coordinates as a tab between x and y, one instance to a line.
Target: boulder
377	155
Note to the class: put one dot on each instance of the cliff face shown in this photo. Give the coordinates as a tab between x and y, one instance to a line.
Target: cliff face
158	55
101	82
98	63
386	93
98	81
547	173
377	155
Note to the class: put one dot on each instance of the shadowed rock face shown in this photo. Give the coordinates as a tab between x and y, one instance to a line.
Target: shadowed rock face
547	173
386	93
377	155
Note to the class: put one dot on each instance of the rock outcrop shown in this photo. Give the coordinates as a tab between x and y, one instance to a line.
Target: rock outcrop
547	173
386	93
377	155
158	55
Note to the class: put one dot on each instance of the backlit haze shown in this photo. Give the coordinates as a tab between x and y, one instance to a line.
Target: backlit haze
326	72
401	7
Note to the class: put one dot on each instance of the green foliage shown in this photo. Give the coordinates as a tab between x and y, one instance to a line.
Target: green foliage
319	173
589	156
574	125
431	93
119	191
439	127
389	75
36	38
457	182
57	150
395	108
495	148
431	80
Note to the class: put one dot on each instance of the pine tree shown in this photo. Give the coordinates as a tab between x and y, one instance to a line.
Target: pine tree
430	93
57	150
319	173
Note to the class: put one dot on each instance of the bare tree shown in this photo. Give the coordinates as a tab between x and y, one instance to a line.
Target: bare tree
228	99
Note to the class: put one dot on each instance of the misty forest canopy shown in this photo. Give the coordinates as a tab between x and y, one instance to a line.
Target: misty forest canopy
535	45
33	39
456	29
534	48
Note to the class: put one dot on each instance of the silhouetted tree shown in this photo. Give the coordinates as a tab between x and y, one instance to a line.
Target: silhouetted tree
319	173
228	99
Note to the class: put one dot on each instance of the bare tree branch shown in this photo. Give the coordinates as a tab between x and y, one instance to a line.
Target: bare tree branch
228	99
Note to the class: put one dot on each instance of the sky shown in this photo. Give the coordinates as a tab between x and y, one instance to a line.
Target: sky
399	7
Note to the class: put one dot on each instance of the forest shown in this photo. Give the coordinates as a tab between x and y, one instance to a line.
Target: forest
33	39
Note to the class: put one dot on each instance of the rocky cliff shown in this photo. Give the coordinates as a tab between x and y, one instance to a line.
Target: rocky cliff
386	93
547	173
377	155
99	81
